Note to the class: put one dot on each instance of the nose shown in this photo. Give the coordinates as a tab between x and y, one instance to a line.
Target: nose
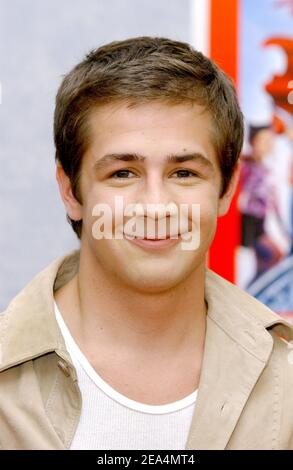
153	197
157	209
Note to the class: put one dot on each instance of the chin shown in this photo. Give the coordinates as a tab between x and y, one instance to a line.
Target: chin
156	280
152	286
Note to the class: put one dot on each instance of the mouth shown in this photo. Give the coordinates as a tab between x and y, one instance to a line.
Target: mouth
153	243
154	238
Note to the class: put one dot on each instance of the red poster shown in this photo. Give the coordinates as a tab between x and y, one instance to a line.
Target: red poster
253	43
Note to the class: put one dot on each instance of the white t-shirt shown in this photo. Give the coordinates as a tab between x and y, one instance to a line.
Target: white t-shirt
111	421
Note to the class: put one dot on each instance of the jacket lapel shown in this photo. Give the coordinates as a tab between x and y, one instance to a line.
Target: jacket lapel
237	348
28	327
228	376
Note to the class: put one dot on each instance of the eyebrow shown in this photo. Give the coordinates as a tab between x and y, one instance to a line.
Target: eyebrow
171	158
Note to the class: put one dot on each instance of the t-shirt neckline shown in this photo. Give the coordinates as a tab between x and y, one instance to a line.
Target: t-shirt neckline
77	354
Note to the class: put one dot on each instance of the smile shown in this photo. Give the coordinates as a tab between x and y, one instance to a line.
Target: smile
154	243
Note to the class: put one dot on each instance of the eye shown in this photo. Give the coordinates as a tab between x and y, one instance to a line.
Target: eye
121	174
184	173
127	174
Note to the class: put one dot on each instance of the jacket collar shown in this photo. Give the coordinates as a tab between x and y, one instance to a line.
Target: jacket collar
28	328
237	345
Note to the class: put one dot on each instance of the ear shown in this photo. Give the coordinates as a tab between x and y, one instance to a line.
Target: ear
225	200
72	206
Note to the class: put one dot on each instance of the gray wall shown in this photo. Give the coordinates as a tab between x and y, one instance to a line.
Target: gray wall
40	40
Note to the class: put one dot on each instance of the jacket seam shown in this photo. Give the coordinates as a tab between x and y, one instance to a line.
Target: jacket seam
276	406
237	342
72	422
47	404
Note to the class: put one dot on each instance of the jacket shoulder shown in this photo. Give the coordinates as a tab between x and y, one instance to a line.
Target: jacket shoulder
246	305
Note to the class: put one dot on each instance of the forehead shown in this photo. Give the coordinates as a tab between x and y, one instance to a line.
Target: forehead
155	129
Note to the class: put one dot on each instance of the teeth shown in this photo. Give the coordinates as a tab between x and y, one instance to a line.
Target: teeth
151	238
145	238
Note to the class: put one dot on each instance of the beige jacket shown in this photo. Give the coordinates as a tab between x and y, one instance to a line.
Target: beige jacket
245	397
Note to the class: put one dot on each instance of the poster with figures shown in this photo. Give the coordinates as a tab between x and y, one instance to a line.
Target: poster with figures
265	201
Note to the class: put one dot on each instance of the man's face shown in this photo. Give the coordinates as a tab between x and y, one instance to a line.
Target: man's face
153	131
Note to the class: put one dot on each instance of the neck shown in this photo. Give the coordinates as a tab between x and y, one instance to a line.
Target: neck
104	311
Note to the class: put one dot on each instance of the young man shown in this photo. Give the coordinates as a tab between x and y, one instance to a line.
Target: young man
132	342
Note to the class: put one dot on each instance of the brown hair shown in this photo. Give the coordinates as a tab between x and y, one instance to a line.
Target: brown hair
144	69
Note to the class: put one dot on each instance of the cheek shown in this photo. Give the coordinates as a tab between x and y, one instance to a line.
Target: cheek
209	209
108	207
208	213
207	201
208	219
95	194
96	208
